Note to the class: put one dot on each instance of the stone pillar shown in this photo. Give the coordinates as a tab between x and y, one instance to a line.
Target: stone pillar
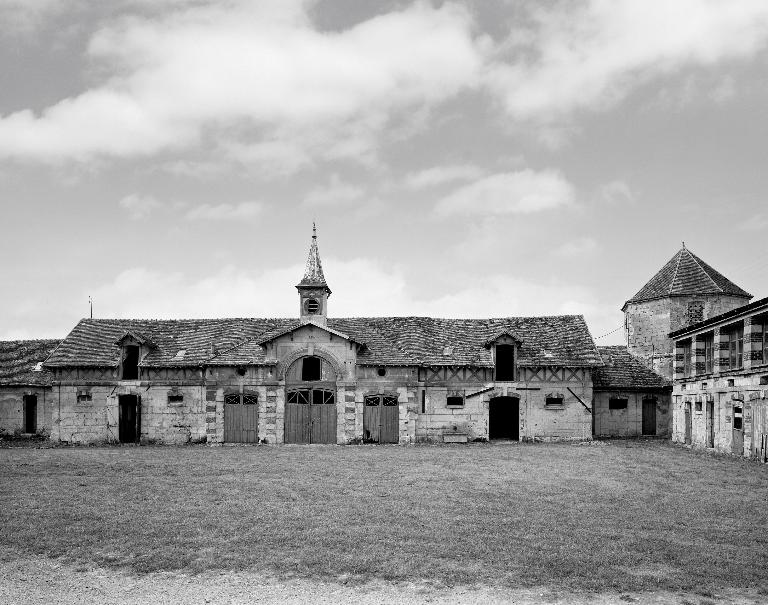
753	342
720	361
678	369
697	350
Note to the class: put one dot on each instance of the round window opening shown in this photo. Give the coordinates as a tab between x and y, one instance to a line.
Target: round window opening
381	371
313	306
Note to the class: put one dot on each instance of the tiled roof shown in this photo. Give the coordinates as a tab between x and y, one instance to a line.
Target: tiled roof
18	359
622	370
560	340
686	274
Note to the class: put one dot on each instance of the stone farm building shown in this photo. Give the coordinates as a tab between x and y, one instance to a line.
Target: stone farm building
321	379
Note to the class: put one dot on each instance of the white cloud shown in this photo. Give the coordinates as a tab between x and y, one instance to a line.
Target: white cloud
616	192
591	54
357	285
521	192
336	193
580	247
224	212
439	175
252	74
139	206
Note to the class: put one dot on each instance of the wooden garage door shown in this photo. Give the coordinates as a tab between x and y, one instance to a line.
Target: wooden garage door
310	416
381	419
241	418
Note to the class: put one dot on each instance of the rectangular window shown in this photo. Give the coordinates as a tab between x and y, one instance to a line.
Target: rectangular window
764	339
424	401
454	401
709	353
175	398
736	348
505	363
553	401
84	395
698	406
737	417
687	358
618	403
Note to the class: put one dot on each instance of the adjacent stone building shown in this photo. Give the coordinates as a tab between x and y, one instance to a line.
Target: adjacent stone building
721	382
320	379
25	387
630	399
686	290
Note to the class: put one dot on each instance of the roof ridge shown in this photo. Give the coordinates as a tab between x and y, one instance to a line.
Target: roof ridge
698	262
674	275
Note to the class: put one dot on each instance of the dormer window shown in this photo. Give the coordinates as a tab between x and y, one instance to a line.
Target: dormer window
130	367
505	362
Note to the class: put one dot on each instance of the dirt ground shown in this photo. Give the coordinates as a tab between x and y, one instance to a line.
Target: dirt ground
43	580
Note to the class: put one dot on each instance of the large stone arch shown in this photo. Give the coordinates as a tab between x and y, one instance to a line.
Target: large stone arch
320	352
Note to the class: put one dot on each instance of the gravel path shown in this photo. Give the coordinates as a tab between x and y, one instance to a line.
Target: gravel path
42	580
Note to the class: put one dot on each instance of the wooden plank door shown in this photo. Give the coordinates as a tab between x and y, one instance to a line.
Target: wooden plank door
323	417
129	419
710	424
688	427
737	431
30	414
649	416
241	423
390	420
372	419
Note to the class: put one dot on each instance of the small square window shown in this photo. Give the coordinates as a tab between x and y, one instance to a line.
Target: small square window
731	382
698	406
455	401
764	379
175	398
703	385
553	402
84	395
618	403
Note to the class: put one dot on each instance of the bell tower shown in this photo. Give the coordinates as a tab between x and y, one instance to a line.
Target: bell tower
313	290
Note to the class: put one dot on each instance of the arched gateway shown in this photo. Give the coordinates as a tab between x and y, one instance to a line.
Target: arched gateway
310	401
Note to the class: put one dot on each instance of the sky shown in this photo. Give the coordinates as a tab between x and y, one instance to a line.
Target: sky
482	158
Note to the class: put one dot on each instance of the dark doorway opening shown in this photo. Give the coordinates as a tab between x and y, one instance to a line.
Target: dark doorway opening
688	425
30	413
505	362
504	418
310	368
649	416
131	363
129	428
710	424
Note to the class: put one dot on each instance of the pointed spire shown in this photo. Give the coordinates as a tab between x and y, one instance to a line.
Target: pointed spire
313	274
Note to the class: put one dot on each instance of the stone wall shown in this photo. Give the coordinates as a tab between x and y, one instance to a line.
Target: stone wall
649	323
628	422
95	417
12	409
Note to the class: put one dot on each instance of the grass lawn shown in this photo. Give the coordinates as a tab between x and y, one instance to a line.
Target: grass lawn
621	516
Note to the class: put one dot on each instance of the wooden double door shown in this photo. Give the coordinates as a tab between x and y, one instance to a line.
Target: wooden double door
381	419
241	418
310	416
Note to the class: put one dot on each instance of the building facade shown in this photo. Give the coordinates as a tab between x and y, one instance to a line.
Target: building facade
721	382
320	379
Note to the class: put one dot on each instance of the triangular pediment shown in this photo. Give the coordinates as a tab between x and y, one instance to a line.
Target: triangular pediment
503	337
299	326
137	337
